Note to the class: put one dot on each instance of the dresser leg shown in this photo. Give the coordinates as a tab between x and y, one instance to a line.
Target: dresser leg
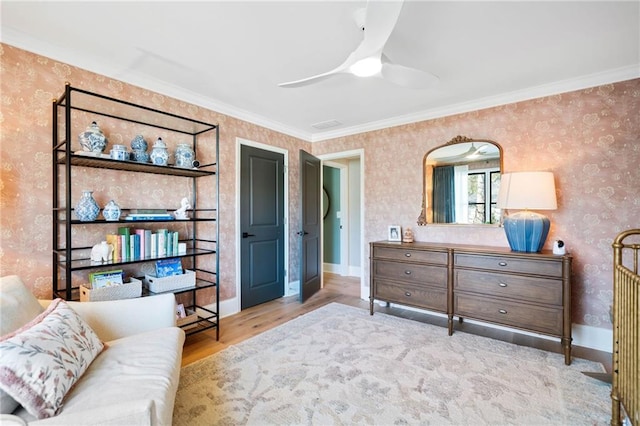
566	345
450	324
371	306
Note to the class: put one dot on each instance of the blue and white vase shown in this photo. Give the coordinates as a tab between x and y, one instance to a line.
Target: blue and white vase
111	211
184	155
87	210
159	153
92	139
139	143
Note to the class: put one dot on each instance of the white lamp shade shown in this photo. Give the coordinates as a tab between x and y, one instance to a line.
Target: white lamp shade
527	191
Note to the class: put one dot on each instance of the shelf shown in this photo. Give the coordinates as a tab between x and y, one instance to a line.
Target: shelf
80	264
71	263
82	100
102	221
132	166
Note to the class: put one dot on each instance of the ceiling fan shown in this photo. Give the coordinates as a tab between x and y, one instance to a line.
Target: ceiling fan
472	153
368	59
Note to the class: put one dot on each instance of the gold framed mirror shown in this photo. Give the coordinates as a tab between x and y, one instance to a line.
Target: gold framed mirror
461	180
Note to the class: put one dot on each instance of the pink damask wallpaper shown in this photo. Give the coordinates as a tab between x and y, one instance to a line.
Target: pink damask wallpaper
29	83
588	138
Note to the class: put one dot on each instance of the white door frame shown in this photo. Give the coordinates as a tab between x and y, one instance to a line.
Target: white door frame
364	289
239	143
344	214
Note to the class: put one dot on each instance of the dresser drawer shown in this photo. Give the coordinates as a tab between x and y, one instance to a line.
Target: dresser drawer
414	273
526	288
407	294
541	319
411	255
509	264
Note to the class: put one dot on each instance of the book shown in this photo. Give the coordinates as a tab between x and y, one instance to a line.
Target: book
105	279
168	267
125	233
147	211
114	240
149	217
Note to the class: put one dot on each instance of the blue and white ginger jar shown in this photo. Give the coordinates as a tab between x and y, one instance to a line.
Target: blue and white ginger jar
184	155
92	139
87	210
139	143
111	211
159	153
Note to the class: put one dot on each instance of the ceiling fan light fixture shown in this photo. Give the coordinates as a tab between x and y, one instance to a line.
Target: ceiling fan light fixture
366	67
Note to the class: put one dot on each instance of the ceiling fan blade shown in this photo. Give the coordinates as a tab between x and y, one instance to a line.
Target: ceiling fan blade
379	22
407	77
380	19
310	80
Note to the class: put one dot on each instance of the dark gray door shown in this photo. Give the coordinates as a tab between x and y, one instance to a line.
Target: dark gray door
310	232
261	225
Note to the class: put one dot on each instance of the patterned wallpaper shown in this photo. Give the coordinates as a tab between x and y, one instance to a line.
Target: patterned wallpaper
588	138
29	83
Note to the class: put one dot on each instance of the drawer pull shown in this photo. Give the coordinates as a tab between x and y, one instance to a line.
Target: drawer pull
502	263
407	272
502	311
407	254
407	293
502	284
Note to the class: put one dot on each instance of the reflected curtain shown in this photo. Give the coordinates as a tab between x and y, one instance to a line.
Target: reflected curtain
443	194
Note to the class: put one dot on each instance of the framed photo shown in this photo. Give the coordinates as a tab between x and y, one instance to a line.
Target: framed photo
395	233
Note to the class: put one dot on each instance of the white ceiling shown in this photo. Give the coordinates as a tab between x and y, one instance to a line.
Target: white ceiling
229	56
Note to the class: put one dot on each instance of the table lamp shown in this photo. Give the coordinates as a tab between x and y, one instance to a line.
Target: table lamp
525	191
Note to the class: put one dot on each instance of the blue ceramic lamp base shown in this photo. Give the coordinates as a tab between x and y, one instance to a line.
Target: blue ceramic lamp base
526	231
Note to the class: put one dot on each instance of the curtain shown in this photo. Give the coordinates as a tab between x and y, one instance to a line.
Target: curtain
443	194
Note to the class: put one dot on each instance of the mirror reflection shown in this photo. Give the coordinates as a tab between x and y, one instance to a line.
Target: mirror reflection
461	182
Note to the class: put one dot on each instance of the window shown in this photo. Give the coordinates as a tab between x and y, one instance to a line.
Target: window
482	189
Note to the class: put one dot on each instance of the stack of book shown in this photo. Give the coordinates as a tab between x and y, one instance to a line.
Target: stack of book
149	214
138	243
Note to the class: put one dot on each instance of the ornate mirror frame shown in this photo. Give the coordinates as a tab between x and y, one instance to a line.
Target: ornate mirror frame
426	215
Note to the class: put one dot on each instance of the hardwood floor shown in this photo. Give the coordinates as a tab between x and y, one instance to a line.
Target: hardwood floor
346	290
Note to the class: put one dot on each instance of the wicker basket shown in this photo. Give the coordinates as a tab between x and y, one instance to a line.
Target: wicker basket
128	290
172	283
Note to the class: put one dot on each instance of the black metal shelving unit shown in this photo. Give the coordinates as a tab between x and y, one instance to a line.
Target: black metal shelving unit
69	259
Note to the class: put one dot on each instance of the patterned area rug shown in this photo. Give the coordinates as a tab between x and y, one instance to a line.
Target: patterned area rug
340	366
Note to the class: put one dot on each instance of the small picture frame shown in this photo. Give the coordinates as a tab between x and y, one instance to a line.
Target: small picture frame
395	233
180	312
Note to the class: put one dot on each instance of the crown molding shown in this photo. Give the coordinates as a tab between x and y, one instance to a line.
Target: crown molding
102	67
569	85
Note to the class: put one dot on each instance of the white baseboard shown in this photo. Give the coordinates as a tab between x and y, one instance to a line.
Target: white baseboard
333	268
583	335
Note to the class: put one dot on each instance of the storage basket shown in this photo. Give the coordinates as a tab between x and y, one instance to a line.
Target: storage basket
172	283
128	290
188	321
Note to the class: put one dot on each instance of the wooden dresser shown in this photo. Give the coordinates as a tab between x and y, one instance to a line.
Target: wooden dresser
527	291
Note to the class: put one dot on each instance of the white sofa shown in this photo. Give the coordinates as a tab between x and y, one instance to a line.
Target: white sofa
132	381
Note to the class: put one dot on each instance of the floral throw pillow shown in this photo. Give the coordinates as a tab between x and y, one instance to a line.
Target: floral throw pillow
42	360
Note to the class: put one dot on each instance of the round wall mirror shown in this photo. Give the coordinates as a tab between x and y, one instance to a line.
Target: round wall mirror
461	180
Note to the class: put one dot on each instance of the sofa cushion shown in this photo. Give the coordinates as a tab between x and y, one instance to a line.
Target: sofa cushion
139	367
17	307
42	360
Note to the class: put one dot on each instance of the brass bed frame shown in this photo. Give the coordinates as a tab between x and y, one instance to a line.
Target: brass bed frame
625	389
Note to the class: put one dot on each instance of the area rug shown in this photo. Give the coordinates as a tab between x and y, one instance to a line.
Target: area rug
338	365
